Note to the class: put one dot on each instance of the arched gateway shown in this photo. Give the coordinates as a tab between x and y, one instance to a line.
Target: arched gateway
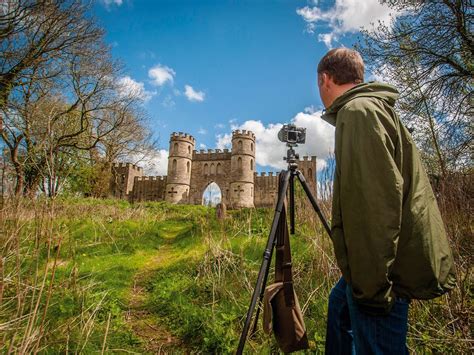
212	195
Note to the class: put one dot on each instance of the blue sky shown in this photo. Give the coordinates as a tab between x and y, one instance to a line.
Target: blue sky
208	67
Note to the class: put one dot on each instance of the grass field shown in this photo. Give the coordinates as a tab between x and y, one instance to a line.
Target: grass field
88	276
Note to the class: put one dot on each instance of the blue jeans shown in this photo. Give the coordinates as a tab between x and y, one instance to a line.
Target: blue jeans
350	331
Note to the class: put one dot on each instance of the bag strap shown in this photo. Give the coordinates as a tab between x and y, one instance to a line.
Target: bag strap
283	267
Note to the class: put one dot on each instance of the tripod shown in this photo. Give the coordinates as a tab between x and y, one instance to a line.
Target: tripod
289	180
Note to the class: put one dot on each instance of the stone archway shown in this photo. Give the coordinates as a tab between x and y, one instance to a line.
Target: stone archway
211	195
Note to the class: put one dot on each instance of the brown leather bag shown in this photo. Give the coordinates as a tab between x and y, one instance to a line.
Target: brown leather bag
281	310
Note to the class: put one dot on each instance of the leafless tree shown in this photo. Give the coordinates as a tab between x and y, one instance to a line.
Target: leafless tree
428	54
39	34
66	105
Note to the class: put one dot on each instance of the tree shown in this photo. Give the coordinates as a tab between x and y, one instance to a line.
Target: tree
51	124
39	35
66	107
427	52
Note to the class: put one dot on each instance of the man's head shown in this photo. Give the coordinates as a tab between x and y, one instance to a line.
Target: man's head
338	71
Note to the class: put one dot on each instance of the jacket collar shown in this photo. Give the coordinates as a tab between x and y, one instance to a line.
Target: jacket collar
370	89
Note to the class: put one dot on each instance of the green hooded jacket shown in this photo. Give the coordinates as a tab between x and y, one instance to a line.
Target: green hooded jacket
387	231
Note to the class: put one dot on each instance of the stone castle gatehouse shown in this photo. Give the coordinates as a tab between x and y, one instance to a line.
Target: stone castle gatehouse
190	172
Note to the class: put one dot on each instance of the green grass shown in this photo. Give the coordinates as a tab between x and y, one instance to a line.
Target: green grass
195	277
196	263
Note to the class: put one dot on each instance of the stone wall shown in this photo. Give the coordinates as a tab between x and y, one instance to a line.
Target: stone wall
148	188
266	189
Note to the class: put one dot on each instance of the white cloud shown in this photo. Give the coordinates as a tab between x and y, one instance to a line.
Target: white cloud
223	141
202	131
310	109
130	87
161	74
270	151
193	95
108	3
346	16
219	126
156	164
312	15
327	39
202	146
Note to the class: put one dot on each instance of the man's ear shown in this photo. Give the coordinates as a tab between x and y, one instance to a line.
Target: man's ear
321	79
324	77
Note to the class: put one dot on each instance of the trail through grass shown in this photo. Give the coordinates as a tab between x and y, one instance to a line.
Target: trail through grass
133	252
155	336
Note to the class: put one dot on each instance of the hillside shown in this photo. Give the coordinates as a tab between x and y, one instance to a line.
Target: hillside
87	275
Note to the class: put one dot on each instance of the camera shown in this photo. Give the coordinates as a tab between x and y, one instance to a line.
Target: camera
292	134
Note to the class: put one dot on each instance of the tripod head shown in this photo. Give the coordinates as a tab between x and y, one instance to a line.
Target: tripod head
291	156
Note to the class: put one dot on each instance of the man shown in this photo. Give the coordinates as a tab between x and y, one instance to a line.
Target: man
387	231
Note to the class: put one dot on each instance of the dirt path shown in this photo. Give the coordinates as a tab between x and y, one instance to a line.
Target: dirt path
147	326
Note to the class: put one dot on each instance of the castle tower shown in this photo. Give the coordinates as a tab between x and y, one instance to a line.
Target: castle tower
123	176
308	167
178	180
242	190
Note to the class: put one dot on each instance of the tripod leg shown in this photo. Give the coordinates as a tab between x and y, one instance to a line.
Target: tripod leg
265	262
313	202
292	204
260	300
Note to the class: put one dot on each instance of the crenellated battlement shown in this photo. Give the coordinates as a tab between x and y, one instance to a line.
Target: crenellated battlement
267	174
151	178
307	158
182	136
242	134
203	151
128	165
210	154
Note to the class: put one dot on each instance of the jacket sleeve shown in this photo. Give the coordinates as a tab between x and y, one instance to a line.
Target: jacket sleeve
371	189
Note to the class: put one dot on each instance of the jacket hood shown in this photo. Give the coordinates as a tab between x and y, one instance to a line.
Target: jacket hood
382	91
